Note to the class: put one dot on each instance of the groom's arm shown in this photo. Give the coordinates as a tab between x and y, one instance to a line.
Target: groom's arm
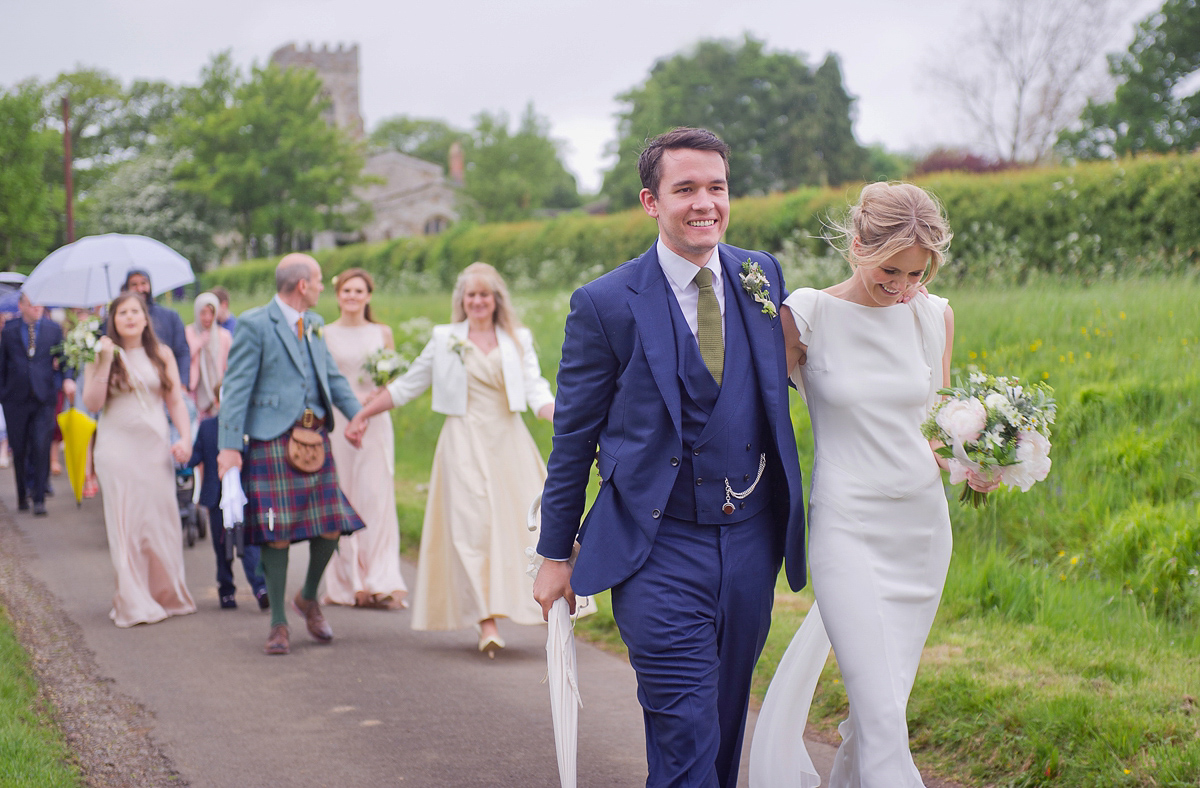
587	382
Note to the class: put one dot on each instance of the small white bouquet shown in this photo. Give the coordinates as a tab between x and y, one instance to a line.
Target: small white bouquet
995	427
384	365
79	345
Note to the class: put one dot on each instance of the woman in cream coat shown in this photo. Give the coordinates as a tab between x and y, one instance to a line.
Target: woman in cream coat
486	467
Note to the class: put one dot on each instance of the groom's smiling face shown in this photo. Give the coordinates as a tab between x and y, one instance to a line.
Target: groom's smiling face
692	204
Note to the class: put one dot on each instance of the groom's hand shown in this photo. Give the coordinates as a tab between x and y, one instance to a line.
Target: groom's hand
553	581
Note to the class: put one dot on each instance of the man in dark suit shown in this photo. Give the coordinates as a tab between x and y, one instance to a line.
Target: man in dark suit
168	326
30	377
673	380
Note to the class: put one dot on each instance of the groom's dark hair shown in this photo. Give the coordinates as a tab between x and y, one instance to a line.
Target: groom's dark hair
682	137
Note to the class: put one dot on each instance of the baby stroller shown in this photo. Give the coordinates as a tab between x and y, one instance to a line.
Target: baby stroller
193	516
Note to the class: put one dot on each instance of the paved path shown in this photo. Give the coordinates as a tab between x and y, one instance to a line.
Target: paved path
381	706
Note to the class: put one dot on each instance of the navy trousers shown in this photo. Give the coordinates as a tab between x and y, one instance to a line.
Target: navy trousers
695	618
30	431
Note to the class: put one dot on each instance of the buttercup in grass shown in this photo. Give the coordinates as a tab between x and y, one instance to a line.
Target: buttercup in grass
994	426
79	345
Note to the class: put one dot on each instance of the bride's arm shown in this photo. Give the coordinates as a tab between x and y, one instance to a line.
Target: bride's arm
797	351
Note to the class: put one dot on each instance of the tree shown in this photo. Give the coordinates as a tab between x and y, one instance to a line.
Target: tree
139	196
786	125
97	100
1151	110
424	138
1024	72
513	176
262	150
27	200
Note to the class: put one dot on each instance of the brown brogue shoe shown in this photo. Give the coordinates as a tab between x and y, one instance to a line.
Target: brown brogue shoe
278	642
318	627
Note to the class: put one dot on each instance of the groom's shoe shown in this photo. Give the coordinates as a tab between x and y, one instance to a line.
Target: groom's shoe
277	643
318	627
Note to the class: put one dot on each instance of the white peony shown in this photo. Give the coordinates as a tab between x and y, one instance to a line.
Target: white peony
1033	461
962	419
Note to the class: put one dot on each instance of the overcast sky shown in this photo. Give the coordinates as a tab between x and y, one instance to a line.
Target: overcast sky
449	59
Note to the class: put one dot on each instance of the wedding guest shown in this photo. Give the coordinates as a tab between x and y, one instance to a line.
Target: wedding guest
870	354
128	383
204	454
31	376
208	344
277	403
366	570
224	316
486	468
168	326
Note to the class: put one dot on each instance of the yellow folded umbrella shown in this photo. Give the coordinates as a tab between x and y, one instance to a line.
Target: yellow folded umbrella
77	430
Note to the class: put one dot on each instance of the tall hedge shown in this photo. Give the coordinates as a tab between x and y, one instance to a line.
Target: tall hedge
1097	220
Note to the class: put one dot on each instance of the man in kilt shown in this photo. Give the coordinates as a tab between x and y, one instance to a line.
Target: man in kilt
281	387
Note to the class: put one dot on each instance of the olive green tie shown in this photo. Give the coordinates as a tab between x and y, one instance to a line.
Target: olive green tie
708	326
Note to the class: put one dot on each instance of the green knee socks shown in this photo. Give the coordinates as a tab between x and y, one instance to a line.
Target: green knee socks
320	550
275	564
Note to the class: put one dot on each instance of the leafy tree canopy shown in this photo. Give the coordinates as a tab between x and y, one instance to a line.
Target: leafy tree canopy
260	148
424	138
514	175
28	220
1156	107
786	125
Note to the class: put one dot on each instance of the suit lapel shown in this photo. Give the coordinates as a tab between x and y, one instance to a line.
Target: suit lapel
760	330
287	335
651	310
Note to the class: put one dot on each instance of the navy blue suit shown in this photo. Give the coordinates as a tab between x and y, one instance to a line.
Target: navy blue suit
692	582
204	453
29	394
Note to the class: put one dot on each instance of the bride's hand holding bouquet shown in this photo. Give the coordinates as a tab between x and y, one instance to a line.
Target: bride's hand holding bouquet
993	431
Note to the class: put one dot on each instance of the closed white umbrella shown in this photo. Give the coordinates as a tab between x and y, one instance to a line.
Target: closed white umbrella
562	674
233	504
92	270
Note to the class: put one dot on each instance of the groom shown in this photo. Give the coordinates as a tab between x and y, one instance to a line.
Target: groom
673	381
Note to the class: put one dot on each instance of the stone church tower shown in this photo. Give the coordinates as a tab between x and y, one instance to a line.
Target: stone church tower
338	69
408	196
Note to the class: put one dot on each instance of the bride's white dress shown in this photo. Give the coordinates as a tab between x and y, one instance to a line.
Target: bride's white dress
879	539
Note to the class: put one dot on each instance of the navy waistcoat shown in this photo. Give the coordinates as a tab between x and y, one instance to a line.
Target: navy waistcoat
725	428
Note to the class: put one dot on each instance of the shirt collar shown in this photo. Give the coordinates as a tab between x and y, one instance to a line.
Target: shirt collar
289	314
681	271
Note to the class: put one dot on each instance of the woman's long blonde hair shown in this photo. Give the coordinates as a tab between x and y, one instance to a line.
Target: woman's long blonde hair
504	316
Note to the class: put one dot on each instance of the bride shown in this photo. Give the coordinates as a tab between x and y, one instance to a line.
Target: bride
869	355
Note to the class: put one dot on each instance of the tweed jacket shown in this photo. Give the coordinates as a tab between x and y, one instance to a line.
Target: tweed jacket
263	391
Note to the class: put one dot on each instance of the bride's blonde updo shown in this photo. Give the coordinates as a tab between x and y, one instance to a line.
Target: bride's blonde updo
889	218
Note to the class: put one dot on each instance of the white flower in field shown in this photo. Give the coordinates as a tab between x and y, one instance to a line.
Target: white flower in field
962	419
1033	461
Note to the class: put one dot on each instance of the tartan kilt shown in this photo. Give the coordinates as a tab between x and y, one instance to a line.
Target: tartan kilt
305	505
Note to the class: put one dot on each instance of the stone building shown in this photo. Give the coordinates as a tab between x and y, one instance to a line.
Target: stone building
415	197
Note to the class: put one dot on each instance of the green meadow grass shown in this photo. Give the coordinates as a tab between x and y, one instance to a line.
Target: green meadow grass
32	751
1066	651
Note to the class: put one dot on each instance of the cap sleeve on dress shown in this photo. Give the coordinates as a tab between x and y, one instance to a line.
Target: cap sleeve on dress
803	303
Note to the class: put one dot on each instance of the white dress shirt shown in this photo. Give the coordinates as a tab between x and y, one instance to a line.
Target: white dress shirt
681	274
289	314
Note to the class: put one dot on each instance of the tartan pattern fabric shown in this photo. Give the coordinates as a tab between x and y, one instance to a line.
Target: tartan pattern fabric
305	505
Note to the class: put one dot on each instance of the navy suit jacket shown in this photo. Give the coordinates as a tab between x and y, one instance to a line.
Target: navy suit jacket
619	405
22	378
204	452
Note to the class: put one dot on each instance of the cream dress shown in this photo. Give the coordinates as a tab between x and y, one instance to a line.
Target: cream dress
879	539
141	514
367	561
486	472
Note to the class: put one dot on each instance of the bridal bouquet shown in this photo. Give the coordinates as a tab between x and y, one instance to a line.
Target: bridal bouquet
384	365
996	427
79	345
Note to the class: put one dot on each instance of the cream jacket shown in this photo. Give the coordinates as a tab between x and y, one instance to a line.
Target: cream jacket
441	366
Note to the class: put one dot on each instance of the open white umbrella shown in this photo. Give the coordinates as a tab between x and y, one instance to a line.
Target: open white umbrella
92	270
562	675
